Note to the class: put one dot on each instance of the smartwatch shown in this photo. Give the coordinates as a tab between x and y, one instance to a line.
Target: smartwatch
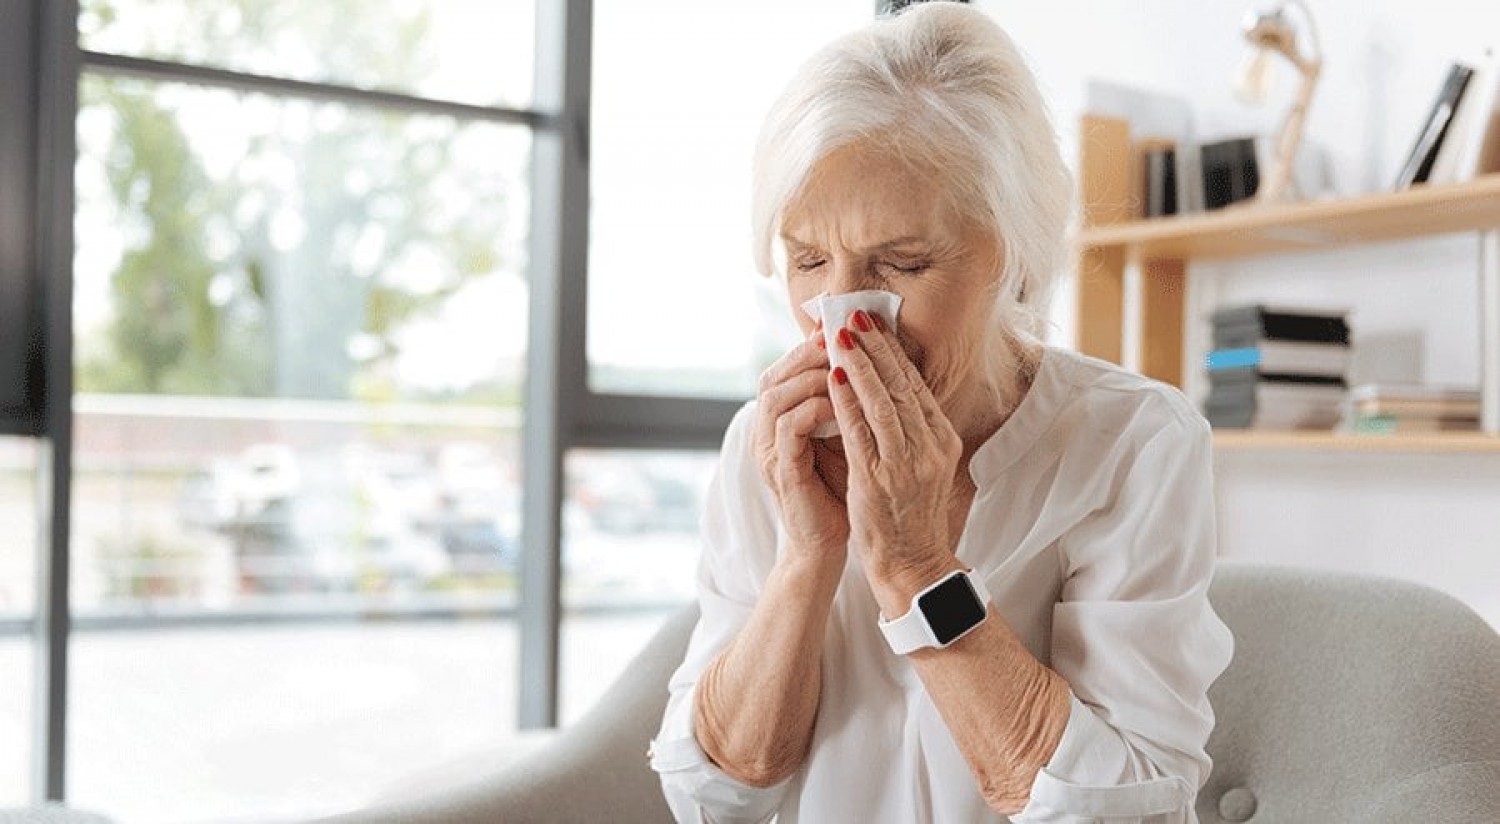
940	614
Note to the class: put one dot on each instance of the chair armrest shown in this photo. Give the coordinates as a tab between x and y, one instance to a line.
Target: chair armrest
595	770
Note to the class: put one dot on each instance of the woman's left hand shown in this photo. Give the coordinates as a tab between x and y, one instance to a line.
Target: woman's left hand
903	456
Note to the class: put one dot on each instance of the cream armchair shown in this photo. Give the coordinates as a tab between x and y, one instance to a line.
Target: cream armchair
1350	699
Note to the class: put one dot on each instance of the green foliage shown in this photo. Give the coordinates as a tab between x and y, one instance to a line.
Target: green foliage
167	336
293	273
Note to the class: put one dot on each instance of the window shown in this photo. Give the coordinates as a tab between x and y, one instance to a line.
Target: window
675	309
630	558
306	241
675	305
671	143
299	329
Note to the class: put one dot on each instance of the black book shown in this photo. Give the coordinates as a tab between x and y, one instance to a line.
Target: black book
1277	385
1243	326
1418	164
1299	331
1236	379
1161	182
1230	172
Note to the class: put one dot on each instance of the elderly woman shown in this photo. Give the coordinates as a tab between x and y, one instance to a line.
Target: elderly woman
987	595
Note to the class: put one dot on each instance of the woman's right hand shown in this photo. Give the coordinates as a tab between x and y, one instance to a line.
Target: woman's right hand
793	401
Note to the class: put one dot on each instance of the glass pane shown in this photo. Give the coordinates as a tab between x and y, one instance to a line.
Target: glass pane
469	51
630	554
673	134
300	331
18	558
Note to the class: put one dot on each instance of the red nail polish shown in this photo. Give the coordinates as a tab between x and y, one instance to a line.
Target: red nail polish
840	377
879	322
846	340
862	321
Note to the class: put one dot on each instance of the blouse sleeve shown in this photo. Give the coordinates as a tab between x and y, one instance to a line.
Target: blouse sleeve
1137	640
739	543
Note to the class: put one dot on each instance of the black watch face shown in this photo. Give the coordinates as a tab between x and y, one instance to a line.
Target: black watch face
951	609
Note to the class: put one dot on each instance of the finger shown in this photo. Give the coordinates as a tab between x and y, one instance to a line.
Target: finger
886	356
805	358
795	466
860	451
878	409
809	354
780	399
795	426
931	409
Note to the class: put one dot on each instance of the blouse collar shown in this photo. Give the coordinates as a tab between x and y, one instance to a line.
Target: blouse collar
1048	393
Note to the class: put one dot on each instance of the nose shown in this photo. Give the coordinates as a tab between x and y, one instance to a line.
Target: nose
848	275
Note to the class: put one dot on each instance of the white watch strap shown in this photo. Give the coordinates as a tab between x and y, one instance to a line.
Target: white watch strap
910	632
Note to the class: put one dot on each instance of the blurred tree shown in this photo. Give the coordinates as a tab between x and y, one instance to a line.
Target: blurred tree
293	271
163	319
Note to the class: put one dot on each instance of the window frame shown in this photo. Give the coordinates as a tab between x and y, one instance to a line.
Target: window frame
19	395
40	42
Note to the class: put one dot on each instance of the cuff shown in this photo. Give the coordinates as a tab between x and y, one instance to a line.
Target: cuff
1089	776
696	789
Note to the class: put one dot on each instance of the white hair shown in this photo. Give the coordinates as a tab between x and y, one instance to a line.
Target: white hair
942	87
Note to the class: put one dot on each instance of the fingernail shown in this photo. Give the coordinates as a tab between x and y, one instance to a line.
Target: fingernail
862	321
879	322
840	377
846	340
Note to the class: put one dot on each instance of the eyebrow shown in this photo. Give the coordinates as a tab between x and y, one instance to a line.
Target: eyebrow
879	247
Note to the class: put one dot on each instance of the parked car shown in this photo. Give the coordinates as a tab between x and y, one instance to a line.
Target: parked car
630	497
324	520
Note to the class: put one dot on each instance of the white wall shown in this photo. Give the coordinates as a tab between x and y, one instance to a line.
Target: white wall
1429	518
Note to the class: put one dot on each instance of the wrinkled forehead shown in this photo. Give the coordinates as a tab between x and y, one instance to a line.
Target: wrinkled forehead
858	196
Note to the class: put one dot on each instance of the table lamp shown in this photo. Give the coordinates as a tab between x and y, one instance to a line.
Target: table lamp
1273	32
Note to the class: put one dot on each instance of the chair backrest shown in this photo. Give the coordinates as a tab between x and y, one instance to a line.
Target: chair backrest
1352	698
1349	699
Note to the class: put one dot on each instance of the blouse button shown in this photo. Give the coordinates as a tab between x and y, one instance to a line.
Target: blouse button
1237	805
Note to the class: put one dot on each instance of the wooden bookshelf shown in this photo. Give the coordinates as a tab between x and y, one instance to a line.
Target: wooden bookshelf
1113	237
1246	230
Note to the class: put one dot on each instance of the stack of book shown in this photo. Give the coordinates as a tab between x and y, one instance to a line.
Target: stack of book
1385	409
1275	368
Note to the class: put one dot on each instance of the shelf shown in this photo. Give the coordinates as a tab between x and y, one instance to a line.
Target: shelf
1247	229
1460	442
1165	249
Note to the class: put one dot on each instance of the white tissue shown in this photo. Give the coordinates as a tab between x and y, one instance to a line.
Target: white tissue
834	311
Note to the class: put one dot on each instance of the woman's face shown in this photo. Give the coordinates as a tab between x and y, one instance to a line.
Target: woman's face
867	221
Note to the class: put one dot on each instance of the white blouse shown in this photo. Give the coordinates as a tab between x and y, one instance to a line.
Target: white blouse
1093	524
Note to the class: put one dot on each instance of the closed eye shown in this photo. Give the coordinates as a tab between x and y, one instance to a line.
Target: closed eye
906	268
